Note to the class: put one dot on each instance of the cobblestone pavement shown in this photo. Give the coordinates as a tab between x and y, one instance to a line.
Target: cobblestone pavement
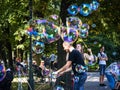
92	82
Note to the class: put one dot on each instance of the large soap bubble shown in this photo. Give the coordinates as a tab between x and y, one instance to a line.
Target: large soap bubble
73	9
73	22
69	35
85	9
38	47
51	32
47	31
2	72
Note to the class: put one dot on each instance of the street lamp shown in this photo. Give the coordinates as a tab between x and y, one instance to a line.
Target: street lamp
30	80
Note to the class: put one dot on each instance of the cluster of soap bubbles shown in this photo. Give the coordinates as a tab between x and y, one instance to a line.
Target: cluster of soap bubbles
80	28
84	9
44	31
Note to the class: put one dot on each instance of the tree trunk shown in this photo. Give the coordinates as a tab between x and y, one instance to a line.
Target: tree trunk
2	53
66	78
8	45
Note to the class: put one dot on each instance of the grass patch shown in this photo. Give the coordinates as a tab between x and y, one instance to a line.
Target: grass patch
37	86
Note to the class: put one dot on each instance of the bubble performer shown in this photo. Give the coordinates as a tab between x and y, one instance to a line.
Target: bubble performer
74	59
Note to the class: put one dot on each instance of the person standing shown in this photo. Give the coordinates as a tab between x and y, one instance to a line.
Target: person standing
102	56
75	60
52	59
45	71
90	58
79	48
6	77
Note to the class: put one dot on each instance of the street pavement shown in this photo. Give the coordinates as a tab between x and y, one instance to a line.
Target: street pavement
92	82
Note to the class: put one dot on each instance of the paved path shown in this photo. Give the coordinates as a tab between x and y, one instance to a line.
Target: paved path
92	82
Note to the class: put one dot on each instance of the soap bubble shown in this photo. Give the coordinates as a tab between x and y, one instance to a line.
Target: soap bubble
94	5
69	35
51	32
73	22
47	31
85	27
84	30
93	25
73	9
38	47
85	9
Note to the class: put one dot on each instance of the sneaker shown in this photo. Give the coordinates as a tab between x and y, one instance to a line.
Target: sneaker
103	84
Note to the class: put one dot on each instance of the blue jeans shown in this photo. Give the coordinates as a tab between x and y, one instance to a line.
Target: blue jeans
102	69
79	81
111	80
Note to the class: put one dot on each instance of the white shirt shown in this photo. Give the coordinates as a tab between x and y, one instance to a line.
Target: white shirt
102	54
52	57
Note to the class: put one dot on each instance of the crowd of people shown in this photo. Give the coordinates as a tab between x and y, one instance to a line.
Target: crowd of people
77	57
77	60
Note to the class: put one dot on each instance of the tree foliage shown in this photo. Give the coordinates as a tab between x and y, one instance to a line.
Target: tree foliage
14	15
